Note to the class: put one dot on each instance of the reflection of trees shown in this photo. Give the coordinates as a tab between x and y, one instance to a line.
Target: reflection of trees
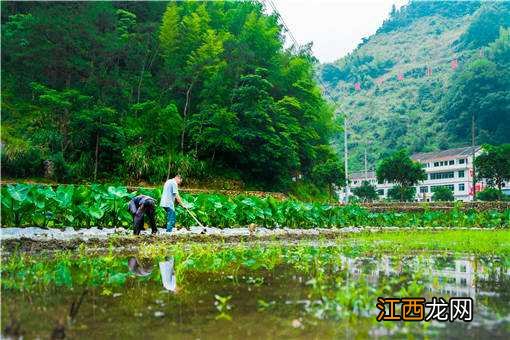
495	281
444	262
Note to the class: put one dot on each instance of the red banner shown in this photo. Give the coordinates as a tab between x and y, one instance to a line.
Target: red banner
454	64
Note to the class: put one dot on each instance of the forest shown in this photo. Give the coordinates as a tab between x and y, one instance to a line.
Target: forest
135	92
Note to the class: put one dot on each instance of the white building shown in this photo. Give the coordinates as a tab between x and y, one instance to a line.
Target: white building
451	168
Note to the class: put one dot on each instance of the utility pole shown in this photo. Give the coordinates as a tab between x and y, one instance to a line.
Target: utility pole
473	153
346	161
366	165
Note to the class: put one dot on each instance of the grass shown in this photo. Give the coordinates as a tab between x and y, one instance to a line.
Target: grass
481	242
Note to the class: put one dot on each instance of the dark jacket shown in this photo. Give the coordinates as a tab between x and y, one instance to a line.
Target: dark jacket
139	207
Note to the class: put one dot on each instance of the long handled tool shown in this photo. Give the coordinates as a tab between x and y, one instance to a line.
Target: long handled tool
194	217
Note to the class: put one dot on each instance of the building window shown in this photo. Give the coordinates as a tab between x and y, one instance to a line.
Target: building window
355	182
461	187
380	192
434	187
436	163
461	173
461	161
452	162
424	189
441	175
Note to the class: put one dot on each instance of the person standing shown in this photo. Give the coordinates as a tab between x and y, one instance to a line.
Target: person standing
168	197
139	207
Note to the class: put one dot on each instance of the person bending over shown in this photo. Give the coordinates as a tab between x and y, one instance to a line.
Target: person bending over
139	207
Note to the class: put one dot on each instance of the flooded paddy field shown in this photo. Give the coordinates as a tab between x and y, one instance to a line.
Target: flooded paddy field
281	289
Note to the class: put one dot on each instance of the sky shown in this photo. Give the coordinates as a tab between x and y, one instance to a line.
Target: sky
334	26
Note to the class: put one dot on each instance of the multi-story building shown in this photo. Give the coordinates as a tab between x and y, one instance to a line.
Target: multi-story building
451	168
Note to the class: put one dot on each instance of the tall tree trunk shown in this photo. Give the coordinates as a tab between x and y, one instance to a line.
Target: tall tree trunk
185	114
140	81
151	60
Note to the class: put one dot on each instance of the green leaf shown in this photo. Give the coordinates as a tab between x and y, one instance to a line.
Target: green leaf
117	279
118	192
18	192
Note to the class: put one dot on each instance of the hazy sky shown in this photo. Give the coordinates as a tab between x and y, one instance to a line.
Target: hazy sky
334	26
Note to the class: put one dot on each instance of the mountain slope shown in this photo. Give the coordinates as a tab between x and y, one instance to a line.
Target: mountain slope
405	72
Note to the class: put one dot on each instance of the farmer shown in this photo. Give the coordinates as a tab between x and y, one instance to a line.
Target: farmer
169	195
138	207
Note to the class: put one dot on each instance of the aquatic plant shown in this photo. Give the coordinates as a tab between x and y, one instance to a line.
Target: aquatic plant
106	206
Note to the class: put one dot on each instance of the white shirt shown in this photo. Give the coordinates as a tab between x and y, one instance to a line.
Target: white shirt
170	190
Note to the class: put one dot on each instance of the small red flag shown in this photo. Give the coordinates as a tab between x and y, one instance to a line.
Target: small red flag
454	64
400	76
357	86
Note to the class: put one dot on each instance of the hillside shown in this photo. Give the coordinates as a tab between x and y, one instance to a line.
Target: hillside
421	111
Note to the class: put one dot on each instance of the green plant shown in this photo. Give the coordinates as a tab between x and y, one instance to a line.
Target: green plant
491	194
442	194
366	192
106	206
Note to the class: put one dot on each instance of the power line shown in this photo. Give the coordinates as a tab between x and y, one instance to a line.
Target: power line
326	93
294	40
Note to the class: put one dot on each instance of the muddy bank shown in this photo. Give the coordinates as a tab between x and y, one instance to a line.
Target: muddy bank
36	239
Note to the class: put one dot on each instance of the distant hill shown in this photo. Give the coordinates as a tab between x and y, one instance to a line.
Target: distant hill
429	107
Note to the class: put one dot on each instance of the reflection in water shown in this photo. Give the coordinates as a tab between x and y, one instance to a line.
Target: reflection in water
138	269
466	276
283	302
168	274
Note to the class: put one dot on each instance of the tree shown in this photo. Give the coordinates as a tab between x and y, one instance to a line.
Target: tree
494	164
399	168
491	194
442	194
402	193
366	192
209	83
328	174
481	88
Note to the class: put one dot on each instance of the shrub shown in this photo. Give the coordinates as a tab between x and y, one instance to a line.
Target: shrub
491	194
402	193
366	192
442	194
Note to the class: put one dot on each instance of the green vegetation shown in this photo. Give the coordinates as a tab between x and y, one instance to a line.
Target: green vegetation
135	91
400	169
425	112
106	206
442	194
491	194
482	89
366	192
493	165
401	193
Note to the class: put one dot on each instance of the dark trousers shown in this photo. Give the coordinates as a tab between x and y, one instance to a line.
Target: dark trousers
138	219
